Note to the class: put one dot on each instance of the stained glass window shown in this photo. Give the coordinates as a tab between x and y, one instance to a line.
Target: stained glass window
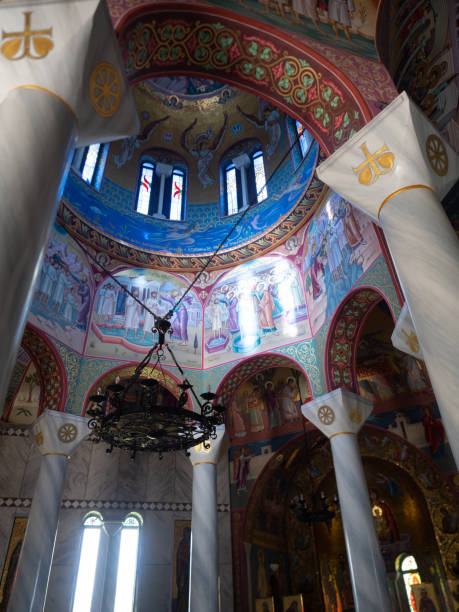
92	527
410	573
176	195
260	179
127	565
145	188
89	162
305	138
231	190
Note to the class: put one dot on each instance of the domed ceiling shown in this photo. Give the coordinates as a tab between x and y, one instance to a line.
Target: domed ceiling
177	113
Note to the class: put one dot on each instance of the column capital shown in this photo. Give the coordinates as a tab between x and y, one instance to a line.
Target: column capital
399	150
404	336
241	161
162	169
200	454
59	433
79	59
338	412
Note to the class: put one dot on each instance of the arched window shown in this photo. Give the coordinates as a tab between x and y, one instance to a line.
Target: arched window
302	140
92	528
108	549
127	564
161	190
408	568
244	181
89	162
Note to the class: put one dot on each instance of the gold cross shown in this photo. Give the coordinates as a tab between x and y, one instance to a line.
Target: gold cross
41	42
374	165
412	341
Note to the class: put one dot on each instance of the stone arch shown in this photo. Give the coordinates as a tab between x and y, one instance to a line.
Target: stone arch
215	43
49	367
343	336
164	377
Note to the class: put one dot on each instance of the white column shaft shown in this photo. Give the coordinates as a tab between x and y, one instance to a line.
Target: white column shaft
204	540
425	251
36	142
366	564
34	566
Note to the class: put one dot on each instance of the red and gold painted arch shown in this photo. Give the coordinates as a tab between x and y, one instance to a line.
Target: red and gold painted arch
175	38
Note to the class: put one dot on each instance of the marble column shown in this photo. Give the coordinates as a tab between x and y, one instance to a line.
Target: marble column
52	97
241	163
339	415
164	171
397	169
204	534
57	434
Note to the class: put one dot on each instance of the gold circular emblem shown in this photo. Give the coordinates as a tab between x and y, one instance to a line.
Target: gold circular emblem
105	89
437	155
326	415
355	416
67	433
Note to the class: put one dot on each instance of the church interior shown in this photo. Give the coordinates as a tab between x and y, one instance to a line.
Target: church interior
279	291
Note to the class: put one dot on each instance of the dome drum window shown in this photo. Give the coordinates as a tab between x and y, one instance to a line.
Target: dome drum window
161	190
244	182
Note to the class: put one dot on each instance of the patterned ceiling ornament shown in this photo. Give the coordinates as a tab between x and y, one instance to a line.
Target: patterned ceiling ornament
212	43
342	338
49	367
355	416
437	155
67	433
326	415
298	216
105	89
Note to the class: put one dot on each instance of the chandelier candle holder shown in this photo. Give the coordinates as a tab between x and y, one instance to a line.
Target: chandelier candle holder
315	511
139	414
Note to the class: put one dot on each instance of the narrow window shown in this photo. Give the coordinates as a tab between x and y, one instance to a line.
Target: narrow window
260	179
410	573
145	188
88	563
127	565
176	210
231	190
305	138
90	163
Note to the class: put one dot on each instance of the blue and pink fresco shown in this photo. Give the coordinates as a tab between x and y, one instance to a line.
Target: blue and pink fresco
341	245
121	328
112	212
63	289
255	307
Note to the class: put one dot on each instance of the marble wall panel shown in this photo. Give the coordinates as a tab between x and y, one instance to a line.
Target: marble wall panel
59	597
132	477
103	473
76	478
154	589
224	537
160	477
68	540
157	538
14	452
183	478
31	471
223	491
226	587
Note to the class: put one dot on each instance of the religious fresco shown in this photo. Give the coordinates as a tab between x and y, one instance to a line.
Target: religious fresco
348	25
181	564
252	307
62	292
122	329
341	245
417	51
22	401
